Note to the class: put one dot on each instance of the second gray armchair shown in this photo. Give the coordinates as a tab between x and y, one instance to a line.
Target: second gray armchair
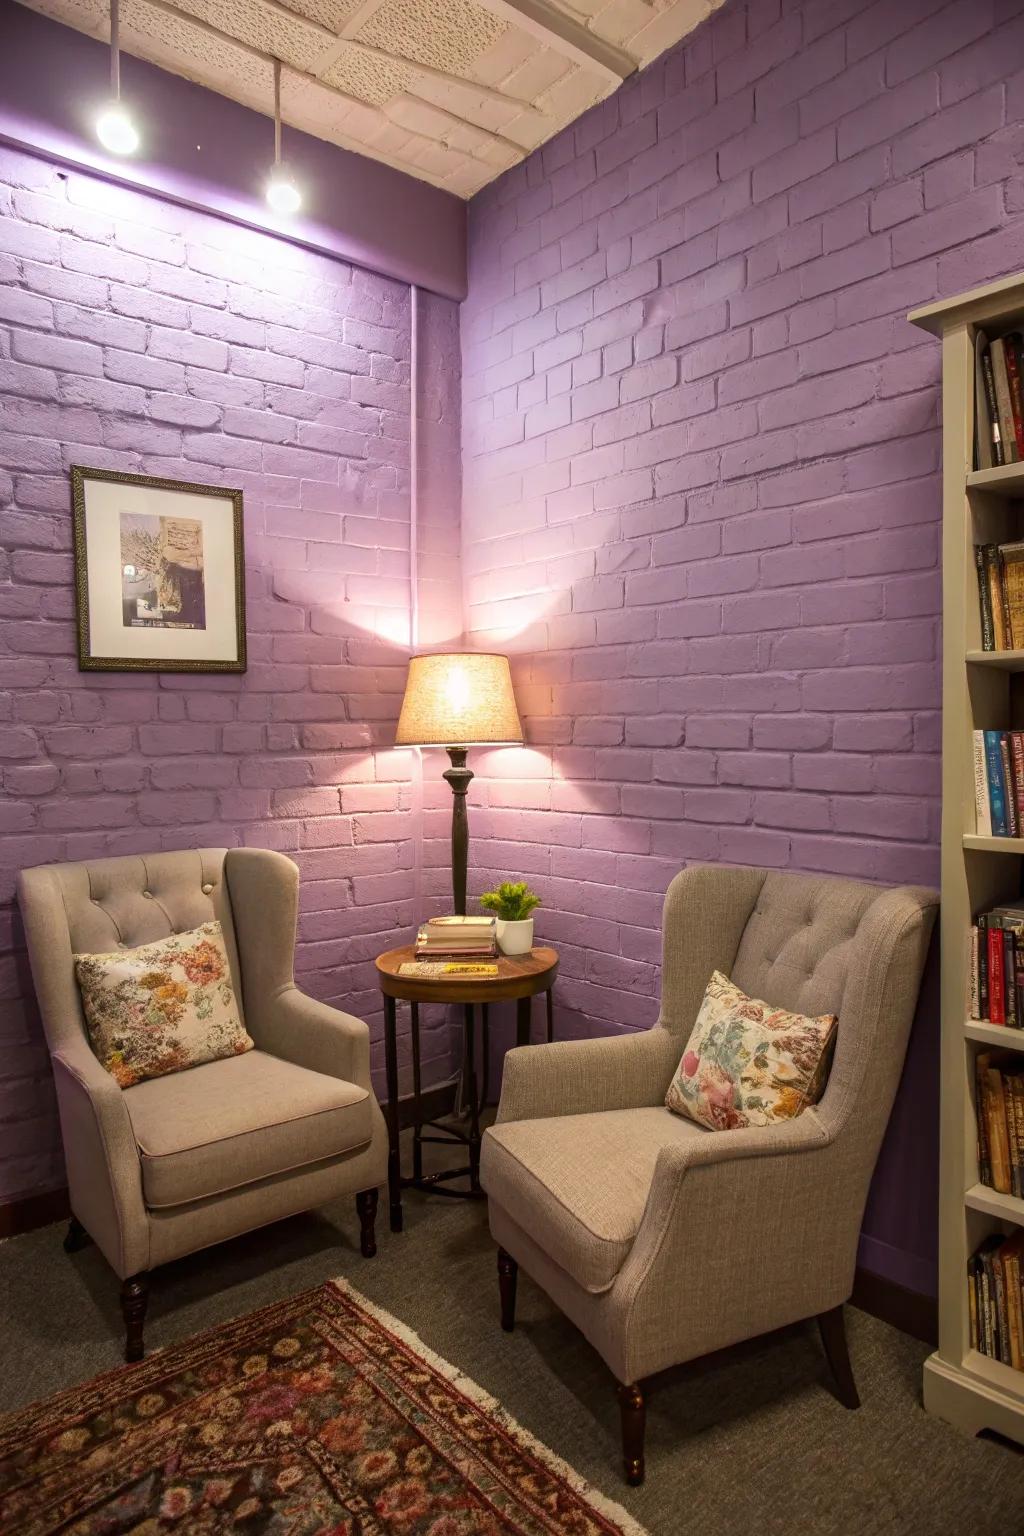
662	1240
177	1163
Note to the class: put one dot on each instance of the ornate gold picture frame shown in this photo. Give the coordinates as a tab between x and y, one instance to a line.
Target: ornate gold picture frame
159	574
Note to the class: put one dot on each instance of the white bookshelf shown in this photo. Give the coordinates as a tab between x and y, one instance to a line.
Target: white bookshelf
980	690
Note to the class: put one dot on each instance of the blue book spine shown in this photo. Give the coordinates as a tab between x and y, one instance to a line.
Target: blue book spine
996	783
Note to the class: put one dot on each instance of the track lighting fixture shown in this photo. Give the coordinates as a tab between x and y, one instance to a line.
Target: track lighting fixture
282	193
114	127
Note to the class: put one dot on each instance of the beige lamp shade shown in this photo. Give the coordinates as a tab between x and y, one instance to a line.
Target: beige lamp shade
460	699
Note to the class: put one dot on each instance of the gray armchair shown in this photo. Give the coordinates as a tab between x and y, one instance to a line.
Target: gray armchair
177	1163
662	1240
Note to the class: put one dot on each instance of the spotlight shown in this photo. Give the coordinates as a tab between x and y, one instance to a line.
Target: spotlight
282	193
116	131
114	127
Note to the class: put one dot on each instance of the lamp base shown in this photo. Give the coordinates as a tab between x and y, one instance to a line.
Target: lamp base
459	777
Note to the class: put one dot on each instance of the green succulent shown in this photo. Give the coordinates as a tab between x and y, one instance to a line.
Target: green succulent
512	901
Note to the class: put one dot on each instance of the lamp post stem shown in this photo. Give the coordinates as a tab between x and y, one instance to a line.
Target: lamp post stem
459	776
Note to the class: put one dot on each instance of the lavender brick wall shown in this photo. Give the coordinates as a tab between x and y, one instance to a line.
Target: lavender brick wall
143	337
701	488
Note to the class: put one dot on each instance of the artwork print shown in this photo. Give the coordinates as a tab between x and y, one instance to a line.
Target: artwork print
159	574
162	579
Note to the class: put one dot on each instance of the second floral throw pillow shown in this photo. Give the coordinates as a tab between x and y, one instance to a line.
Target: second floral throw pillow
749	1063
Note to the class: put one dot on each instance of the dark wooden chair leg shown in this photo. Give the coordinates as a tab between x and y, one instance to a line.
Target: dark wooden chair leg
508	1271
134	1300
833	1337
633	1410
366	1205
77	1237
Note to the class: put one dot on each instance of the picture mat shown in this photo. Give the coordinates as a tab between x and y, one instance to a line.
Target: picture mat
109	636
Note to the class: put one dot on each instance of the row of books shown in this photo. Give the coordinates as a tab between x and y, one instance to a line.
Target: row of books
999	399
457	938
1000	569
999	782
1000	1121
997	967
996	1300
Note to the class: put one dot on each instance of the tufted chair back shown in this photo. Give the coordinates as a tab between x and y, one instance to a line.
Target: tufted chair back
109	904
815	945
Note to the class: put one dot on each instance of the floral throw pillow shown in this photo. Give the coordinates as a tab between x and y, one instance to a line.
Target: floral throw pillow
747	1063
163	1007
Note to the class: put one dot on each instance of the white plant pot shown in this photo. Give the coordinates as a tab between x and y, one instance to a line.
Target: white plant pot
515	938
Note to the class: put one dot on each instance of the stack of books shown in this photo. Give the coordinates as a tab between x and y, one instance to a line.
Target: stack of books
999	783
999	401
996	1303
997	967
1000	569
1000	1121
456	938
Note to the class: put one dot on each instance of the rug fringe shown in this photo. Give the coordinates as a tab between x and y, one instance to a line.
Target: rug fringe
483	1399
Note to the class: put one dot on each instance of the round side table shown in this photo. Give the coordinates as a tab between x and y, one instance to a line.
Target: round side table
519	979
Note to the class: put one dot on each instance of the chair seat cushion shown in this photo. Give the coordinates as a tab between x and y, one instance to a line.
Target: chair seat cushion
579	1183
233	1122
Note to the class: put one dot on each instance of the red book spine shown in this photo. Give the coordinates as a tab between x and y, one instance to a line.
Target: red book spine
1013	379
996	998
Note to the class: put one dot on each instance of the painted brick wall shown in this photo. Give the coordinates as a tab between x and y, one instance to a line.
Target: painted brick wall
701	491
143	337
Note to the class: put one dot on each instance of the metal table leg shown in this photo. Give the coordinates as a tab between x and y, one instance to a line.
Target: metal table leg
550	999
394	1154
417	1134
474	1100
523	1008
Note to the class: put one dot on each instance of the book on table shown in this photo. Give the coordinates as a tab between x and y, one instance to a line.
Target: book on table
458	937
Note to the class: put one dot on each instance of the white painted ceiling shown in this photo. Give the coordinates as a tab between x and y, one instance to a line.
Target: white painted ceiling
452	91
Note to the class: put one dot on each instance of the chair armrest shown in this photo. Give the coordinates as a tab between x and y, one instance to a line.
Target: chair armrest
104	1172
744	1231
579	1077
722	1149
314	1035
717	1161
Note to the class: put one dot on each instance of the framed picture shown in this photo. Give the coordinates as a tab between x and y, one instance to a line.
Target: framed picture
159	574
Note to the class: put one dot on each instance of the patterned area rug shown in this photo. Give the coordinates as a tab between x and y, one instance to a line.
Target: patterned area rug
318	1416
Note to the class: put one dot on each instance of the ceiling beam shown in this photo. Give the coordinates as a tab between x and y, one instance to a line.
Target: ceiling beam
558	31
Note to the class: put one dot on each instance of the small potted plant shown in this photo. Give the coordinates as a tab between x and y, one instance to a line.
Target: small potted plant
512	904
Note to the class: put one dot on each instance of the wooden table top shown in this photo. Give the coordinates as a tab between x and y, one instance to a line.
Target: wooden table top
518	976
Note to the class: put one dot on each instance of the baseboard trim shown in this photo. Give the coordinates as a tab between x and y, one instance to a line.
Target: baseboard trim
909	1311
27	1212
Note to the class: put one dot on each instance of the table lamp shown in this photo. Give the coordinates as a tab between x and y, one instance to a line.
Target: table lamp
459	700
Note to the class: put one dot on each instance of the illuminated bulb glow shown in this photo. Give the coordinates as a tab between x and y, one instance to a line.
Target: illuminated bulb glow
282	193
116	131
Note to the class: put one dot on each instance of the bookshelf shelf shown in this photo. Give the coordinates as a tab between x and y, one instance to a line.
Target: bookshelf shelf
994	1034
974	843
979	692
1006	480
1006	1207
1003	661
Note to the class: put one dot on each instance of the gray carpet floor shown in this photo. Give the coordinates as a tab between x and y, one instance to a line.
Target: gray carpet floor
751	1440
